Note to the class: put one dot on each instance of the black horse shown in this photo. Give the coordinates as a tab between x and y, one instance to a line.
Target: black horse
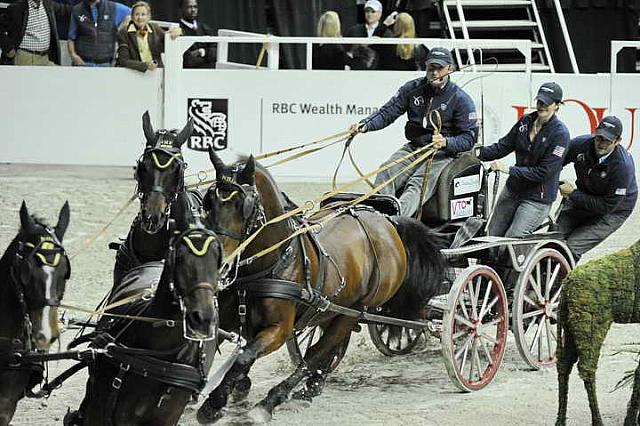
359	259
159	178
33	273
158	360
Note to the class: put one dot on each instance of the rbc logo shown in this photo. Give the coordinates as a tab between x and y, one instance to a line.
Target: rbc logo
210	123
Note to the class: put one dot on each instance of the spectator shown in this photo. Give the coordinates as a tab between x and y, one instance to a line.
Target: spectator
200	55
141	42
93	32
416	98
329	56
32	34
539	140
420	11
405	57
606	190
372	27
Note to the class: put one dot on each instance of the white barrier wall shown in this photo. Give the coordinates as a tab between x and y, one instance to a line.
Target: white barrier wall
92	116
64	115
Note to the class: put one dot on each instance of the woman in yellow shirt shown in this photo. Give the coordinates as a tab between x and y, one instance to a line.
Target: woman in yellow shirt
140	43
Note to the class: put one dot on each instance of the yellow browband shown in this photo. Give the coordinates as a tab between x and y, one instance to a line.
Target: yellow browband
167	164
225	199
205	245
46	246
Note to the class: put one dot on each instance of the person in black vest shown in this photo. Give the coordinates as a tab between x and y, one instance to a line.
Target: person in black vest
606	190
31	34
200	55
93	32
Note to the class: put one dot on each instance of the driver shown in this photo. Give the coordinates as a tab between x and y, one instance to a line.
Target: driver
420	99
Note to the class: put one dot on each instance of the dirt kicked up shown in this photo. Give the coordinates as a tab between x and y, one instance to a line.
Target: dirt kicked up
368	388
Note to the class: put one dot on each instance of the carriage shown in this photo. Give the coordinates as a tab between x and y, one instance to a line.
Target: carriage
483	294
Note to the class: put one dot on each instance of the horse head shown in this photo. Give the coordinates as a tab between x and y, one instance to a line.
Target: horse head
39	271
193	260
233	203
160	173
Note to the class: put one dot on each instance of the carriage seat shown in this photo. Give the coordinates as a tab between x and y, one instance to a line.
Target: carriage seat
457	195
385	204
554	235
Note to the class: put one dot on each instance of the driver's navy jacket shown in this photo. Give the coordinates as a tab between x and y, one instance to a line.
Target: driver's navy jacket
602	187
416	98
538	165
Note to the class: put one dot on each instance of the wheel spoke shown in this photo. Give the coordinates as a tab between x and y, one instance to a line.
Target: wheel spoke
548	280
548	333
460	334
529	301
554	299
473	359
530	326
535	286
465	321
485	299
465	345
488	309
478	363
533	314
540	341
475	296
484	335
463	306
486	352
492	322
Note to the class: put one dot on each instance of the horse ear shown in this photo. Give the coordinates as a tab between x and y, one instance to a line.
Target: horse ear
149	133
218	164
184	134
248	173
26	221
63	221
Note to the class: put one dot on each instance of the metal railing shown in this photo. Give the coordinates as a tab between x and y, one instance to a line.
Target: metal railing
272	45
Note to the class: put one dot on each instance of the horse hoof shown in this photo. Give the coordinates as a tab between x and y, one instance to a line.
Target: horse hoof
208	415
241	391
302	395
260	414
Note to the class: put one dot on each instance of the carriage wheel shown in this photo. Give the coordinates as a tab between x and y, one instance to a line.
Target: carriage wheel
394	340
535	307
304	339
474	328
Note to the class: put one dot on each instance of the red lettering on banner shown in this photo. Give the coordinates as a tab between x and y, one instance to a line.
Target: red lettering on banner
520	110
633	126
591	115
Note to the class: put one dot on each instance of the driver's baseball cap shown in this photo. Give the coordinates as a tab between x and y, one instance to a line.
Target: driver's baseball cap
610	128
440	56
549	93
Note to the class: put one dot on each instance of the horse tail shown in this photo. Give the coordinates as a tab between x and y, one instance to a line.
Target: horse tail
426	266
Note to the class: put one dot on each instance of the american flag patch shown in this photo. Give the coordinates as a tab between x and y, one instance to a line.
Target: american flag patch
621	191
558	151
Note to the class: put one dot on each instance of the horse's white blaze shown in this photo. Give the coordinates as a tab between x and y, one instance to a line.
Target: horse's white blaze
45	325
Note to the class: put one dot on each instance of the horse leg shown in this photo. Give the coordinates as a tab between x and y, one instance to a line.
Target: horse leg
315	383
322	352
12	387
7	409
267	341
633	417
567	356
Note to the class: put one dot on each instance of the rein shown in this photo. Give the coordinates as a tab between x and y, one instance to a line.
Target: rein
308	205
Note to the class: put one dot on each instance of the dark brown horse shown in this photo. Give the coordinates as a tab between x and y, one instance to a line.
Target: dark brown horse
159	179
155	366
360	259
33	273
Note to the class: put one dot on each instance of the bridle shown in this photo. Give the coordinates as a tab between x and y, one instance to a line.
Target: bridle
49	252
198	240
252	210
174	154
